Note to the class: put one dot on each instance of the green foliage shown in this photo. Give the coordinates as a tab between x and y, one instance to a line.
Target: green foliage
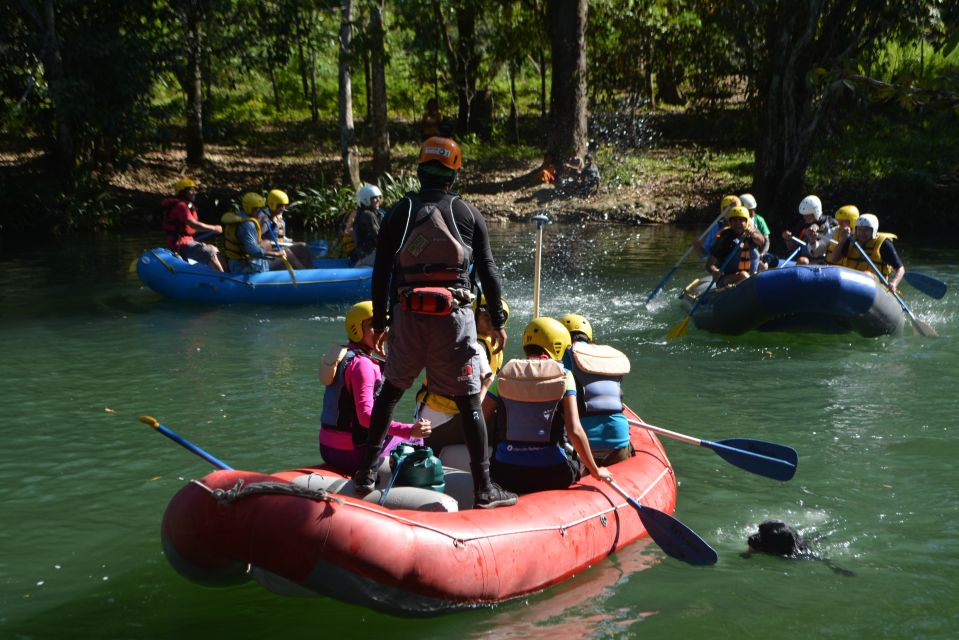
395	187
322	207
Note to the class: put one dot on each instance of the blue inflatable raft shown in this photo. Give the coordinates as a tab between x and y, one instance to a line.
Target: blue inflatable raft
813	298
333	280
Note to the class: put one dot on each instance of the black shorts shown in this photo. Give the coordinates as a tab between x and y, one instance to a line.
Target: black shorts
526	479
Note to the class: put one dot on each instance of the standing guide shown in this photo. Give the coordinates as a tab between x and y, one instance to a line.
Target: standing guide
423	255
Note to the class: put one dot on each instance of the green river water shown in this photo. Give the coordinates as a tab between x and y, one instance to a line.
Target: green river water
86	349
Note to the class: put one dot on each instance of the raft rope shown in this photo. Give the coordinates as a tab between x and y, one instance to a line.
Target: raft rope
241	490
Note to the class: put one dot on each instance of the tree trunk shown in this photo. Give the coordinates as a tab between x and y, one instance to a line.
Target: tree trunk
193	85
302	61
314	105
275	85
350	155
64	153
368	82
513	110
542	84
568	107
463	61
381	133
789	112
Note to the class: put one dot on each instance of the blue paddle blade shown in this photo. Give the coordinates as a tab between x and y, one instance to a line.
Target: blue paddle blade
776	461
927	284
673	537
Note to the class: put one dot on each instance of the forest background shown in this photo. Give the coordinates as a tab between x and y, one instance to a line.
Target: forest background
104	104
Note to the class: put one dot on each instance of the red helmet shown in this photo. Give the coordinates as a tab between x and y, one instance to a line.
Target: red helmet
442	150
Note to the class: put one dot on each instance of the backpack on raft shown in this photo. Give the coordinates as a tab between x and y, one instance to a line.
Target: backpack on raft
414	465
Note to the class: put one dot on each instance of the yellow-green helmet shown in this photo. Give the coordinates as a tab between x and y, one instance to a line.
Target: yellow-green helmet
183	183
729	201
579	324
479	304
738	212
276	198
251	202
849	213
354	319
549	334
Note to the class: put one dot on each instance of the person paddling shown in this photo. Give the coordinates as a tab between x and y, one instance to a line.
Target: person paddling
878	246
751	241
242	235
846	217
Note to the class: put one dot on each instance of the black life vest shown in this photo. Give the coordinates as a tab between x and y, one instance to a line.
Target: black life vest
432	251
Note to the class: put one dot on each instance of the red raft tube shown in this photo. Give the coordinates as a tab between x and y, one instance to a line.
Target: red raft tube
302	532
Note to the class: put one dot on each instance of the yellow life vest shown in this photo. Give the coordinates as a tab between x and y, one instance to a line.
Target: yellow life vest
233	248
495	359
854	260
435	401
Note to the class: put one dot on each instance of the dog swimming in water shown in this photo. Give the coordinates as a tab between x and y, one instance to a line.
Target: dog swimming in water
777	538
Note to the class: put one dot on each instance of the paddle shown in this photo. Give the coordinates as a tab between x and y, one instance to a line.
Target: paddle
540	219
216	462
927	284
662	283
672	536
276	245
767	459
680	329
918	325
793	254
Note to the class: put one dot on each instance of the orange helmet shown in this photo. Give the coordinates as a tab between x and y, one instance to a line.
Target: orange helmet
442	150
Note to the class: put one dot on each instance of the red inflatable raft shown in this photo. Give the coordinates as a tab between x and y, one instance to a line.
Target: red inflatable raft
294	534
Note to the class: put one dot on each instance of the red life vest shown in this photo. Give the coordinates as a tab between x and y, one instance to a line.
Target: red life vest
177	232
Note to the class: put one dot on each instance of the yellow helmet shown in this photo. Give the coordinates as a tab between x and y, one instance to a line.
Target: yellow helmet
354	319
738	212
729	201
183	183
549	334
251	202
479	304
579	324
849	213
276	198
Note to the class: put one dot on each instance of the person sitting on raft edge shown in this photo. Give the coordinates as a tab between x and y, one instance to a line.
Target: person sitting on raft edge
598	371
534	400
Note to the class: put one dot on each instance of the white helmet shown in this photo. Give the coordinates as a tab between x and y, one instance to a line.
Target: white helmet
748	201
366	193
869	221
811	205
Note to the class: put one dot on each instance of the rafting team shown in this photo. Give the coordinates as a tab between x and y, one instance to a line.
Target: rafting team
556	411
737	246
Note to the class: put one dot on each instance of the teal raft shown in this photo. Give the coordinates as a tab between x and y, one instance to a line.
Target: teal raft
800	298
333	280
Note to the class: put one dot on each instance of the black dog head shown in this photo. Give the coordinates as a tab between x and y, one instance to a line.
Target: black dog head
778	538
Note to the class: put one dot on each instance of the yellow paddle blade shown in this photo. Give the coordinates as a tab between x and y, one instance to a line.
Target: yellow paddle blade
133	265
679	330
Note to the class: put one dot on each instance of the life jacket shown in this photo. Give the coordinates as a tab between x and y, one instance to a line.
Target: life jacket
435	401
232	247
854	260
748	254
598	370
176	231
529	393
495	359
339	407
278	224
432	251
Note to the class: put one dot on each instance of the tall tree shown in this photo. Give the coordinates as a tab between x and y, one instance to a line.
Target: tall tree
568	107
192	15
348	150
378	60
